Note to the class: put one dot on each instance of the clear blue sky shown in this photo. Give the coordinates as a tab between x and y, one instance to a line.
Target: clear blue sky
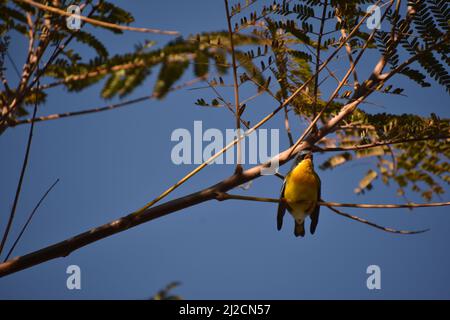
113	162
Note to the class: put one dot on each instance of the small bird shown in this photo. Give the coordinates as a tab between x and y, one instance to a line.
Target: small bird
301	193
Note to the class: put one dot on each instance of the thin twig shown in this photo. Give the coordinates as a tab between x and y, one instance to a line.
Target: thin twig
287	126
13	64
236	88
319	43
349	52
98	22
19	185
29	220
286	116
226	196
385	206
227	104
369	223
378	144
100	109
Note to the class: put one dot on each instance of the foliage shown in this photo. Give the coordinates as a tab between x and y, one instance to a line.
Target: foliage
422	166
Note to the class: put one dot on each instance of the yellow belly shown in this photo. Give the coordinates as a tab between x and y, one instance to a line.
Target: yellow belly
301	190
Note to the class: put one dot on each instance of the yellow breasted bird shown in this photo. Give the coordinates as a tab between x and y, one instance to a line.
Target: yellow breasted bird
301	192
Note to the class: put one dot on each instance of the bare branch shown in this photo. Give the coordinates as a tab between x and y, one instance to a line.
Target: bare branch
226	196
387	229
385	206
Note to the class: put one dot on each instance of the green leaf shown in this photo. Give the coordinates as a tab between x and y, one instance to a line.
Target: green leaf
201	63
91	41
170	72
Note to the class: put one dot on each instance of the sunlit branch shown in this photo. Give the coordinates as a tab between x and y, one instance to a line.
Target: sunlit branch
343	81
98	22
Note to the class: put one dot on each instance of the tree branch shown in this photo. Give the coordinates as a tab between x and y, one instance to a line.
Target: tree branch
378	144
19	185
29	220
101	109
369	223
236	88
98	22
226	196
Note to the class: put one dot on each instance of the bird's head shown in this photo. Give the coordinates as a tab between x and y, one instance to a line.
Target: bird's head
304	154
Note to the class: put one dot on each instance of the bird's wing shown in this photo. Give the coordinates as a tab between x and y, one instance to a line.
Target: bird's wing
282	206
315	213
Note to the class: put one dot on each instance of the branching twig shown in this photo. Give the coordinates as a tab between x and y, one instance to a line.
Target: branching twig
227	104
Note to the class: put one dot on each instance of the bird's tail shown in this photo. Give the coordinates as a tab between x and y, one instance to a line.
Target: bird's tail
299	228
